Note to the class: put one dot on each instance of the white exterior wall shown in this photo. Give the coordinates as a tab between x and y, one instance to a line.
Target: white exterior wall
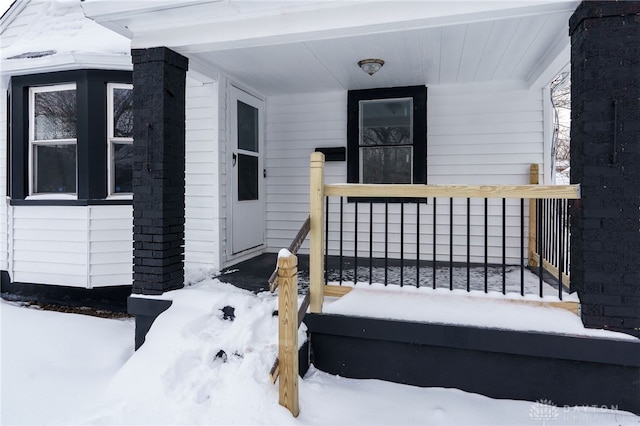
110	245
78	246
476	135
202	210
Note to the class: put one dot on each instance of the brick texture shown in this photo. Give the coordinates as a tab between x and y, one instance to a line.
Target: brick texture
605	160
158	170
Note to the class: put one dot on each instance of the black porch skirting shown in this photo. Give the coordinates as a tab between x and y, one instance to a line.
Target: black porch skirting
565	370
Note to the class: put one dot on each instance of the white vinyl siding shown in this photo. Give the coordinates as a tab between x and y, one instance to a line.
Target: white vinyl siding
483	137
475	136
295	126
202	218
110	245
84	246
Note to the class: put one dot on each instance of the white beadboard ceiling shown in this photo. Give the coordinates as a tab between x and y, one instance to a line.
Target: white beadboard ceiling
307	46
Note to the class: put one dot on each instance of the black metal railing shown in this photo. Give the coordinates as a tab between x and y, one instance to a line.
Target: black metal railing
553	240
455	243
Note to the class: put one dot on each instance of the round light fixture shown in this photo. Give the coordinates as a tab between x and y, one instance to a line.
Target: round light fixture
371	66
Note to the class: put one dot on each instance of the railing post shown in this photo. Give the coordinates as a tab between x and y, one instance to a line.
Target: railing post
534	171
288	332
316	233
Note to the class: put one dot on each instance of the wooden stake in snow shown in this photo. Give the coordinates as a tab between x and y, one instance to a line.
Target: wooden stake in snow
288	331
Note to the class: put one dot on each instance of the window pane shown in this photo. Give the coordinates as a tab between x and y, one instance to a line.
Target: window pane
122	113
55	115
247	177
55	167
247	127
122	167
387	122
386	164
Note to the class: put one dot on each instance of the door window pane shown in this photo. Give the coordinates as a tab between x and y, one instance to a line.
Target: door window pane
55	115
247	127
122	167
122	113
55	167
247	177
386	164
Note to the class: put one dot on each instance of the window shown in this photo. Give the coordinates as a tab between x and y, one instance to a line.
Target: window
387	135
70	138
120	138
52	139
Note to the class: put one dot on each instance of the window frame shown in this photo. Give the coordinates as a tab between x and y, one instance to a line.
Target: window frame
33	143
418	94
113	140
91	137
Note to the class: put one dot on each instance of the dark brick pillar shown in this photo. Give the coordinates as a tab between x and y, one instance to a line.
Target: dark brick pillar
605	160
158	169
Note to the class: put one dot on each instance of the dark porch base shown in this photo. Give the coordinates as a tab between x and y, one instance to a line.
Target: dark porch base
112	298
566	370
145	311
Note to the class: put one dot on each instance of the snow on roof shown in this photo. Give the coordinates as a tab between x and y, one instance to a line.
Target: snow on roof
60	28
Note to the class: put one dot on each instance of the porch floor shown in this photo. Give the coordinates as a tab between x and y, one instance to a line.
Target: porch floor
253	274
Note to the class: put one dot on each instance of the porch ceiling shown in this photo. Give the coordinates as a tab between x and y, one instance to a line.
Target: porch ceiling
305	46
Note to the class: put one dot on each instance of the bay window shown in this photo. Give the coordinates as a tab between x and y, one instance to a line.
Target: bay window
120	138
52	139
70	138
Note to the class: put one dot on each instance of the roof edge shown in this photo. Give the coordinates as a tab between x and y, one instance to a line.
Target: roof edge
12	13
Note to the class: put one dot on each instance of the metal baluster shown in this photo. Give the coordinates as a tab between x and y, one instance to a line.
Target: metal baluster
341	237
355	245
450	243
418	244
561	251
434	243
486	245
326	239
540	246
401	244
522	246
386	242
468	244
504	246
370	242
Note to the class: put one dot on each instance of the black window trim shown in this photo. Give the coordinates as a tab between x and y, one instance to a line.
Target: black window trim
419	96
91	98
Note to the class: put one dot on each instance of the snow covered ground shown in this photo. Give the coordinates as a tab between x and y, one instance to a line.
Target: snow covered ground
65	368
54	365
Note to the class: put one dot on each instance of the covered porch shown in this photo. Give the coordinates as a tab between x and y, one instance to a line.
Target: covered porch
475	76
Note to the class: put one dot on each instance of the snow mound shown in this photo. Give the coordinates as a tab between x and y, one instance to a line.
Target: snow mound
198	368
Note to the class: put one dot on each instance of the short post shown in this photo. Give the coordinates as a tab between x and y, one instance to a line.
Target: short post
534	179
316	232
288	331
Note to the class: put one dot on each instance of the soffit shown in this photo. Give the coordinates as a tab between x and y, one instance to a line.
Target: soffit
310	46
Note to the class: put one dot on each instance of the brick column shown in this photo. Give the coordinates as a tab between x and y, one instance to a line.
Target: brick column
158	169
605	160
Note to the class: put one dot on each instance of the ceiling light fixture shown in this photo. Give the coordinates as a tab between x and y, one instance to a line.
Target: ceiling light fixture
371	66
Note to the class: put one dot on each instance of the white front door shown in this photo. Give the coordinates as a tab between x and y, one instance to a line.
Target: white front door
248	206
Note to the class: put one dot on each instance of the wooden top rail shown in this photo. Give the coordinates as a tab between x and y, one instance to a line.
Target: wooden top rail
571	192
